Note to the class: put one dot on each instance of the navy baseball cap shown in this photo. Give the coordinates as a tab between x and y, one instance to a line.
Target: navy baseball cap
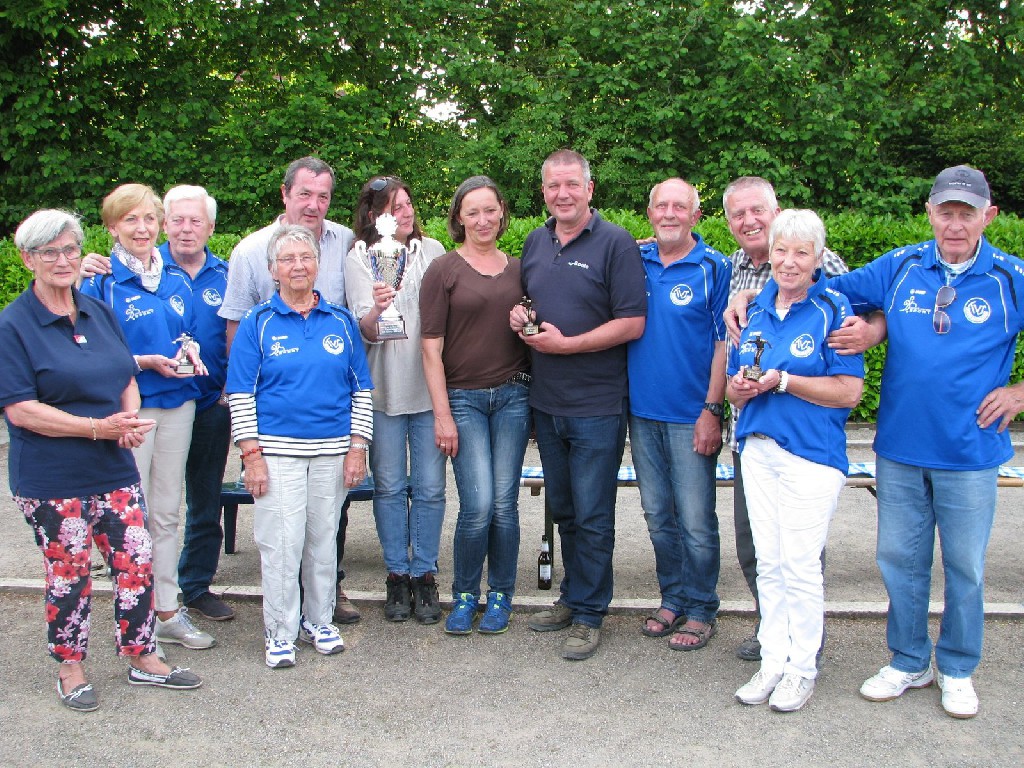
961	183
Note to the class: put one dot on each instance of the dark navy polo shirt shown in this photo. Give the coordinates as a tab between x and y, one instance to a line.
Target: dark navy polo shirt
82	370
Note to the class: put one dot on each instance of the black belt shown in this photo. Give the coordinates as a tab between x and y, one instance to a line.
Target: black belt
520	377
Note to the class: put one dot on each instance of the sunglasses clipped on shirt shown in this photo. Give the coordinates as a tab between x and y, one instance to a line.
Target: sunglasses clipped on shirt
940	318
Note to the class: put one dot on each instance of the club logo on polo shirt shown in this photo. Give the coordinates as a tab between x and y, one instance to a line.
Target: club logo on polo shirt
802	346
277	348
212	297
132	312
977	311
681	295
334	344
911	305
178	305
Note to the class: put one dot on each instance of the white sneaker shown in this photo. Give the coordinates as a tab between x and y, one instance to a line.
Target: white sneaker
179	629
279	653
792	693
325	638
958	696
759	688
890	683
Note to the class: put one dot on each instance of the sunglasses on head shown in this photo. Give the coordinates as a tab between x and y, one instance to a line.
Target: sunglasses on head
380	184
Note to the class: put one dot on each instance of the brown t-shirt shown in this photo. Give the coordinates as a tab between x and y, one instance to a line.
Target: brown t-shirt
470	312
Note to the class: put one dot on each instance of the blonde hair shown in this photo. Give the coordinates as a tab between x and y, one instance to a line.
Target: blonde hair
126	197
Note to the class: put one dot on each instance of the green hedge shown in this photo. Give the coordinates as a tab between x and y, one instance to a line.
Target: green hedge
858	238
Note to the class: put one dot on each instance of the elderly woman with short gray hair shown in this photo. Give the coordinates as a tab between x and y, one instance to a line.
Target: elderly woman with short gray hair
795	394
301	411
67	384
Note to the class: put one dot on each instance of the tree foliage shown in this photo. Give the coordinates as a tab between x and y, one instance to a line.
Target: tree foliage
844	105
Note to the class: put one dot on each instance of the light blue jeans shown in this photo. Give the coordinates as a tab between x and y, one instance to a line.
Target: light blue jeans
494	425
677	494
402	527
912	503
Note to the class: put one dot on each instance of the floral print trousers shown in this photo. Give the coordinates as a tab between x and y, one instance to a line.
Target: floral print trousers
65	530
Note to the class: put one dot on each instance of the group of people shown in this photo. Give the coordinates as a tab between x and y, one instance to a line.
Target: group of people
126	382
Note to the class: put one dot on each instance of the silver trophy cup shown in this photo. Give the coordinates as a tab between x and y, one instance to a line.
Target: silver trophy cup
387	261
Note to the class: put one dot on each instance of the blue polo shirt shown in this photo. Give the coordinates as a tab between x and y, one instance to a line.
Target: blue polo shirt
302	371
577	287
208	288
670	365
151	322
813	432
933	384
82	370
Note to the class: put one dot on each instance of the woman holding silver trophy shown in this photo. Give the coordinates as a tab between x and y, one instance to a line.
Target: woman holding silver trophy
382	281
153	306
477	374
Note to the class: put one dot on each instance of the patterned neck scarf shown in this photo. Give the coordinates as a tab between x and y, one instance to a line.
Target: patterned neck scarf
150	277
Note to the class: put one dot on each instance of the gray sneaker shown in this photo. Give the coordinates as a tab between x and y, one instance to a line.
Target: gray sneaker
180	630
749	649
557	617
581	643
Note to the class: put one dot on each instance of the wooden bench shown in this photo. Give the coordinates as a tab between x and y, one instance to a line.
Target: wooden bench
859	475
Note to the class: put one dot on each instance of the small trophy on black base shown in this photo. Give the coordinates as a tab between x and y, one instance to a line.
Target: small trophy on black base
530	327
754	372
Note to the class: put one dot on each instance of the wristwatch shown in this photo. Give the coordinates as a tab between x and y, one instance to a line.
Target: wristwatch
716	409
780	388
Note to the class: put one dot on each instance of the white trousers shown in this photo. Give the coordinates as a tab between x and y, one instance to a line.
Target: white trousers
296	522
161	462
790	501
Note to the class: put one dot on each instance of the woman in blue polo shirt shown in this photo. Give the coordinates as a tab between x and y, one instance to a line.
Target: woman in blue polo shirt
154	308
71	403
792	437
302	413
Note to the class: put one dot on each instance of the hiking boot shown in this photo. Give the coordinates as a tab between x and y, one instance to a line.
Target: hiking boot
398	605
344	611
426	602
557	617
581	643
460	620
496	615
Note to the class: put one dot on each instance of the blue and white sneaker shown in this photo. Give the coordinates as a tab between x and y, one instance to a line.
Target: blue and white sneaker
325	638
460	620
497	614
279	653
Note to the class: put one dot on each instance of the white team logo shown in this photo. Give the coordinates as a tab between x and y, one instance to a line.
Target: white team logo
178	305
977	311
212	297
132	312
334	344
681	295
802	346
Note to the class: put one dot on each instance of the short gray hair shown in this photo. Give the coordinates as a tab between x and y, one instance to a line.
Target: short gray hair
566	157
750	182
45	226
189	192
793	224
291	233
696	196
314	165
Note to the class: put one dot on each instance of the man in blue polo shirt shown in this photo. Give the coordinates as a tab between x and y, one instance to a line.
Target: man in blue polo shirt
953	308
190	215
676	388
586	282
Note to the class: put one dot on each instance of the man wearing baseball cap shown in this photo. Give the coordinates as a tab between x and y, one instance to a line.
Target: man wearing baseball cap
953	306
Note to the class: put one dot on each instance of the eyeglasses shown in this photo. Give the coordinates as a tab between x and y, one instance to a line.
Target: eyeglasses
287	261
940	319
380	184
50	255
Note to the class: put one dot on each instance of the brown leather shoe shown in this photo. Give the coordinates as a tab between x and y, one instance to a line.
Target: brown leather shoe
344	611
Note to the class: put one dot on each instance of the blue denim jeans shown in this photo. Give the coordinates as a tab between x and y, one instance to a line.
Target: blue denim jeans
401	526
204	473
494	425
912	503
677	494
581	457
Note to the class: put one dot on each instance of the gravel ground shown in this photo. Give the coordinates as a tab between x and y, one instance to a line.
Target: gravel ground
410	695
